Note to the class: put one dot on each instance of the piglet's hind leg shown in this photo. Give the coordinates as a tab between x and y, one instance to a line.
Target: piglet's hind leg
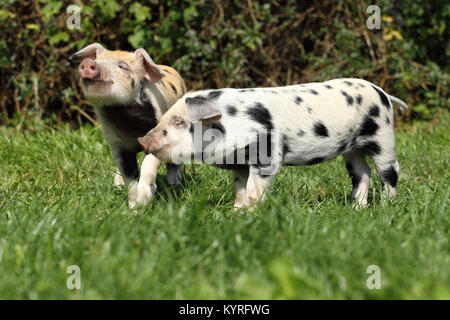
240	189
258	184
359	172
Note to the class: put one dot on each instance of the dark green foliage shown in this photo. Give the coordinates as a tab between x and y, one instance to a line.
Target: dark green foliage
225	43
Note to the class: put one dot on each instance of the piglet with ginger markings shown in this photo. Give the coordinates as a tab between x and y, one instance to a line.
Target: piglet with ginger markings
130	93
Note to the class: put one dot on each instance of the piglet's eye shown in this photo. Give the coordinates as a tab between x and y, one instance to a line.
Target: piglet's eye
124	66
179	122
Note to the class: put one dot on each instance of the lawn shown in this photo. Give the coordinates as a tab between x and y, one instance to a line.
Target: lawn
58	207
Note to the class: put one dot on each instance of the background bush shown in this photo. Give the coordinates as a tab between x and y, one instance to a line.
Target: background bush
224	43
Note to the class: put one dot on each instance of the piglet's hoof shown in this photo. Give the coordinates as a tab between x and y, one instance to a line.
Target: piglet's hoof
174	178
118	180
132	195
145	193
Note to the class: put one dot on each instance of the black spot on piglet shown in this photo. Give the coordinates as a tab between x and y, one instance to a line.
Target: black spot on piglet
372	148
214	94
231	110
298	100
285	142
374	111
315	160
359	99
384	99
348	97
260	114
388	122
218	126
368	127
391	176
320	129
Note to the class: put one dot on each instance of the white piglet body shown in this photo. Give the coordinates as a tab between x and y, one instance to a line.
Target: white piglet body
312	125
305	124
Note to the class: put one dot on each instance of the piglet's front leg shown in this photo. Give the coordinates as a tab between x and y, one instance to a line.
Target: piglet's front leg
173	174
146	187
127	165
118	180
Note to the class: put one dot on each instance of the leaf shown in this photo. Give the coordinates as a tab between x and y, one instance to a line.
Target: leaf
32	26
108	8
51	9
392	34
4	15
189	13
137	38
60	36
140	12
387	19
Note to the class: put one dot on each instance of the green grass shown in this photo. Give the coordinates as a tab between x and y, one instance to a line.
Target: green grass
58	207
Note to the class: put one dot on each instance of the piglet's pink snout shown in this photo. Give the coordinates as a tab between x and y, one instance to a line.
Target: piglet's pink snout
88	69
146	144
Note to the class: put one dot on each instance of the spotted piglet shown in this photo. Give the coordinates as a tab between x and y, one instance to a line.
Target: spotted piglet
256	131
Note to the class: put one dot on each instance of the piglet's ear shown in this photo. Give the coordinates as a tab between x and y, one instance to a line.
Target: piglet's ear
152	71
199	109
91	51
